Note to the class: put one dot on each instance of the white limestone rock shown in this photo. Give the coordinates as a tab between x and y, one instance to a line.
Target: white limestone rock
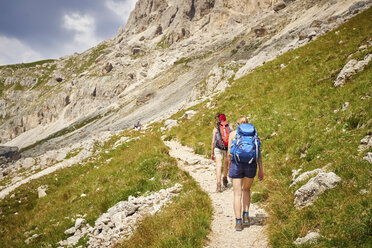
70	231
352	67
368	157
365	143
189	114
168	124
305	175
310	238
41	191
120	220
308	193
79	222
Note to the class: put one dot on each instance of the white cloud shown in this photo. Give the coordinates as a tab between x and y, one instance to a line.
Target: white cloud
84	28
121	8
14	51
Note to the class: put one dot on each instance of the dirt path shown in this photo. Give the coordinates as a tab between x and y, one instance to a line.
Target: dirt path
223	232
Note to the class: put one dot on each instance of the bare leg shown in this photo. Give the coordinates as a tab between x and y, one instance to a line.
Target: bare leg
226	167
218	168
237	185
247	184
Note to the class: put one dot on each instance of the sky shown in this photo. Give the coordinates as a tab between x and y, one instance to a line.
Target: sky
32	30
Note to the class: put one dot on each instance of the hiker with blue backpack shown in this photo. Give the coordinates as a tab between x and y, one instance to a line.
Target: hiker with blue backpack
244	153
220	140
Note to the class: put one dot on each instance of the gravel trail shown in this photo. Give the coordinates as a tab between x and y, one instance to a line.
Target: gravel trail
223	232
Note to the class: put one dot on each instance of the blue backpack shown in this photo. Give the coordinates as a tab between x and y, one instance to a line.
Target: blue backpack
245	149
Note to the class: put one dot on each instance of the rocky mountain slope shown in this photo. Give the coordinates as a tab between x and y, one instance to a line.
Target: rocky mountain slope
77	164
171	55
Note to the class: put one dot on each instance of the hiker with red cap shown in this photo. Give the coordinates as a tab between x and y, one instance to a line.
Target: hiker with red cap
220	141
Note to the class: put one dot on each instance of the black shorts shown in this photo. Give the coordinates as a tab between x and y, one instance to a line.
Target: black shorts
242	170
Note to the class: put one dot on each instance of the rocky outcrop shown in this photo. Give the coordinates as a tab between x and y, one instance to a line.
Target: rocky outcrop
120	220
310	238
352	67
168	124
355	8
304	175
41	191
107	87
8	153
365	143
50	161
279	6
307	194
368	157
189	114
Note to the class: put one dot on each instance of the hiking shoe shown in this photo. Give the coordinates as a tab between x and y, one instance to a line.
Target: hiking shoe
239	225
246	221
225	182
219	188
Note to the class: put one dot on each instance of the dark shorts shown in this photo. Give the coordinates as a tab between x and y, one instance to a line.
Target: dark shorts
241	171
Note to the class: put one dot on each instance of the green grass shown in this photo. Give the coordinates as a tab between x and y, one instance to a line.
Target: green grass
163	44
77	125
73	153
80	65
185	223
127	173
27	65
298	103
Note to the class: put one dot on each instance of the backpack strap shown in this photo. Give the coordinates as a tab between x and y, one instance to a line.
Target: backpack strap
255	141
219	132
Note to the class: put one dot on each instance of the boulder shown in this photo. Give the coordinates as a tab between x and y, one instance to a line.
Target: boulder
144	98
136	50
170	123
279	6
79	222
127	207
70	231
59	79
260	32
304	175
316	24
352	67
368	157
365	143
307	194
41	191
158	31
310	238
131	76
333	19
189	114
107	68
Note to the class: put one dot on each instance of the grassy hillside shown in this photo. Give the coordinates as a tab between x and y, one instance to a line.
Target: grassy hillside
293	109
107	178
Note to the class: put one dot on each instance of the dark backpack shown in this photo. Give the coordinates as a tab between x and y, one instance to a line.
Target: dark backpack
222	137
245	149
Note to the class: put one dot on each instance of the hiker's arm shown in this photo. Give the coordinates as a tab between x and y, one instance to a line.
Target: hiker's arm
213	141
260	169
231	137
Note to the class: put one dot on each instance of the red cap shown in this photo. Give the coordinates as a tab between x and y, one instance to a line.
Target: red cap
222	117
